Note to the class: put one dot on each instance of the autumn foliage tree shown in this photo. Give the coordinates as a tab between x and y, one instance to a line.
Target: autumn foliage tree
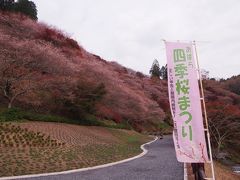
82	100
15	79
17	75
25	66
233	84
88	94
224	125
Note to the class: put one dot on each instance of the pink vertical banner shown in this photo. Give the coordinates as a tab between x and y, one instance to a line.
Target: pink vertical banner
185	104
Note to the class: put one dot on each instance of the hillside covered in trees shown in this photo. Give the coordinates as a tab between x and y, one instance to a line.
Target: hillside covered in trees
43	70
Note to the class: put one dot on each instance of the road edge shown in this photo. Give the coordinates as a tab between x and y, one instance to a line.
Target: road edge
83	169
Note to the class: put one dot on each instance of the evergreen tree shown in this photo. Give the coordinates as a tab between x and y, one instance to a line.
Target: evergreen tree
155	69
26	7
23	6
6	5
163	72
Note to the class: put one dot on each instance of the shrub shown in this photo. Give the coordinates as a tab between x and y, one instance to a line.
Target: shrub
12	114
15	114
45	117
90	120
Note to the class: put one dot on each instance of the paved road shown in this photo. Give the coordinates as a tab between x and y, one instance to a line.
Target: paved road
158	164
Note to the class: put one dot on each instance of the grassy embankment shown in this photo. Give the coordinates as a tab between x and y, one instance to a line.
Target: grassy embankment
40	147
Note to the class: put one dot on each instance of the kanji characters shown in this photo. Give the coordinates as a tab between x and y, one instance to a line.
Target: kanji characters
179	55
182	86
180	70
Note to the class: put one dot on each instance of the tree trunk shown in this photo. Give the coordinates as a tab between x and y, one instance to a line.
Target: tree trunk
218	149
10	104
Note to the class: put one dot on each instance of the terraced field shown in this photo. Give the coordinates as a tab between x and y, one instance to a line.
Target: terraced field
73	134
39	147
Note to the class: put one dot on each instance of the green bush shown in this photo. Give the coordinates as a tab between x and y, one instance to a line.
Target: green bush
12	114
15	114
90	120
44	117
163	126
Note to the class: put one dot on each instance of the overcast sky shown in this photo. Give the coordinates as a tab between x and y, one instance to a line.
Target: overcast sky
131	31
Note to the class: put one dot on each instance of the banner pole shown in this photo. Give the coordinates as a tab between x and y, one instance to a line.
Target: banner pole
205	111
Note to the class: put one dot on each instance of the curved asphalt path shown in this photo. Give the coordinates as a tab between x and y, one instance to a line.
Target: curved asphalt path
158	164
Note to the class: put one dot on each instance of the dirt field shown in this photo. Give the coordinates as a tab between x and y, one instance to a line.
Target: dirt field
221	172
73	134
39	147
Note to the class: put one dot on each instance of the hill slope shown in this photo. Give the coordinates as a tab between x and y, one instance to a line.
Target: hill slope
61	63
56	75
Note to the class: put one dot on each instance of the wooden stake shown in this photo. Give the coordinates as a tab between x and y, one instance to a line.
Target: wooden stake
205	111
